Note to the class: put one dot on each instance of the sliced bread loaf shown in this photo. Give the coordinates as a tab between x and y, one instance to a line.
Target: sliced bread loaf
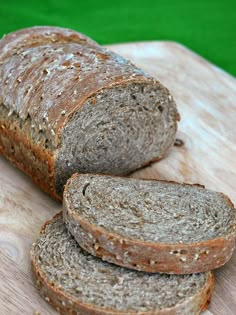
68	105
150	225
75	282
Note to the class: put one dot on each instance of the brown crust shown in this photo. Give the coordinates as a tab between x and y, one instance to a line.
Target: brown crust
147	256
34	159
20	40
65	304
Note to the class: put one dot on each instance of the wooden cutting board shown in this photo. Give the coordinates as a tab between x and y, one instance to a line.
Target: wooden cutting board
206	98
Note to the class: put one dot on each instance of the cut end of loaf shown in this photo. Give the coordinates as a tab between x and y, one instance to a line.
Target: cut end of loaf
76	282
117	131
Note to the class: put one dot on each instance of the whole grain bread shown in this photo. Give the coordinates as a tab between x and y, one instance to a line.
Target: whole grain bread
68	105
75	282
150	225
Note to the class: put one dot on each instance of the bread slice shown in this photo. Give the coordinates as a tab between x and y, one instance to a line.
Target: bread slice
68	105
150	225
75	282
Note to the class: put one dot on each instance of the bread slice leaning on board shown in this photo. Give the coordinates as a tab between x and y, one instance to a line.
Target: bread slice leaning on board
75	282
68	105
150	225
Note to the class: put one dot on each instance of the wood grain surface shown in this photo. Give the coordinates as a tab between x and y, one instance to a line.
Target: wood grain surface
206	100
18	293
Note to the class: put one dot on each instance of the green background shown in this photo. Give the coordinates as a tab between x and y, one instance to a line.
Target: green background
207	27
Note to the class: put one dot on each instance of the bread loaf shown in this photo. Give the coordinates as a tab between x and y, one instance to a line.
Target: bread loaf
75	282
150	225
68	105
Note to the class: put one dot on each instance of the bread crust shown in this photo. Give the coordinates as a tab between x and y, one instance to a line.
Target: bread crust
17	50
66	304
18	41
148	256
34	159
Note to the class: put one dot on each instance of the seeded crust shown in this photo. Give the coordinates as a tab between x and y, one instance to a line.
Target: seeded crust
74	282
57	88
18	41
149	225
